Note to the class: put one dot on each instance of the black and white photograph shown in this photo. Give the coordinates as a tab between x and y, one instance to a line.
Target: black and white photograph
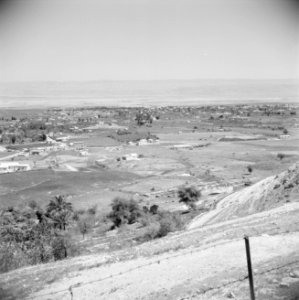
149	149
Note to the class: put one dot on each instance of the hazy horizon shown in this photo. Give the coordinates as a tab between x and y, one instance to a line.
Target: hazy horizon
147	92
148	52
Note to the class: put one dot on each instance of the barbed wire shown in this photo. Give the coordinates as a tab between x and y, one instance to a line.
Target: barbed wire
157	261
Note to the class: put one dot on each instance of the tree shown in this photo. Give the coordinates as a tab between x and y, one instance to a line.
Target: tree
124	211
189	196
84	226
139	118
143	118
60	211
285	131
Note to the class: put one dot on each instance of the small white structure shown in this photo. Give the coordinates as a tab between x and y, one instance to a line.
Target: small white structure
62	138
132	156
10	167
83	152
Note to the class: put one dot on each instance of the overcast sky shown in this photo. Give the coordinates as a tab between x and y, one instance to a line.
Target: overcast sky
148	39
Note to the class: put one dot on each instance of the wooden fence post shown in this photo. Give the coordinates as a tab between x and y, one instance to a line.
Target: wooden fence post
250	275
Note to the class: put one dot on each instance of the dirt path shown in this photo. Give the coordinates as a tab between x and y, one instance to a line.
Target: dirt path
145	277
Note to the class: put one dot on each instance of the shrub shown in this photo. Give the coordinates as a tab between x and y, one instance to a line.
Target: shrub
33	204
189	196
145	209
80	211
92	210
124	211
150	232
59	248
249	169
159	225
169	222
154	209
76	216
280	156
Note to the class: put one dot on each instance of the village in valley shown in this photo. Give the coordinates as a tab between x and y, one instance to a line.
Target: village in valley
151	145
146	159
29	141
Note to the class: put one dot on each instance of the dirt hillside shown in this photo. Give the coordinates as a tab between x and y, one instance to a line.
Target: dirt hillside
264	195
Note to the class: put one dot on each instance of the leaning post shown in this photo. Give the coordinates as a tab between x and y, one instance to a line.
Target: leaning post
250	275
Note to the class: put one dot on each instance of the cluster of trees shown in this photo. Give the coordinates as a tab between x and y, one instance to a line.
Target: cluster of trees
34	235
143	118
34	131
157	223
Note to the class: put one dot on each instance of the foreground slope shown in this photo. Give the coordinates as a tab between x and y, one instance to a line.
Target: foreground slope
202	262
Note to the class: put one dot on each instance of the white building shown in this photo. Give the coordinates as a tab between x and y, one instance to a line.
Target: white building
10	167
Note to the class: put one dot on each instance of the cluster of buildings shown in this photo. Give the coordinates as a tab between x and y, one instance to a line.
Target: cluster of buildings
11	166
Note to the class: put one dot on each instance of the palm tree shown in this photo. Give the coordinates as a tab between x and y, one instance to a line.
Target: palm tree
59	210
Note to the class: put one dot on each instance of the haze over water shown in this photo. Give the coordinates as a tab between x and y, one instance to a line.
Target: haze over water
146	93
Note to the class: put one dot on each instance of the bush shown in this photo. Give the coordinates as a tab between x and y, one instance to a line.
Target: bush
189	196
159	225
249	169
33	204
92	210
280	156
80	211
169	222
150	232
76	216
124	211
154	209
59	248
